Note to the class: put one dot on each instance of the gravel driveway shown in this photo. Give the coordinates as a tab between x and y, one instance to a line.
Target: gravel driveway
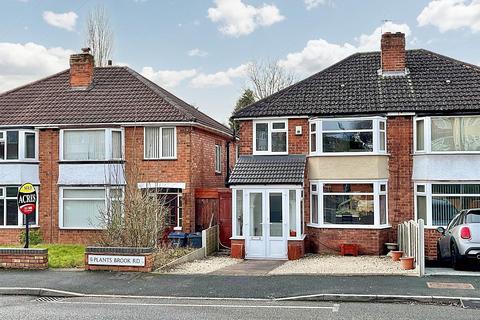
204	266
339	265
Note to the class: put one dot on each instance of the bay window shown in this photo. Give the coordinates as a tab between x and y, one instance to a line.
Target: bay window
447	134
91	144
18	145
438	203
88	207
349	204
10	216
348	136
270	137
160	143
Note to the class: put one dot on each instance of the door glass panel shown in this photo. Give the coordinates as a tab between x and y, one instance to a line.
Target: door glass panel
292	206
276	219
256	214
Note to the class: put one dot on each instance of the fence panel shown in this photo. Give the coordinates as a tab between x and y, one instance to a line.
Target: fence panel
210	240
412	242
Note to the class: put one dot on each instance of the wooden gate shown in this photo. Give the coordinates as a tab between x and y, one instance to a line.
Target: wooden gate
214	206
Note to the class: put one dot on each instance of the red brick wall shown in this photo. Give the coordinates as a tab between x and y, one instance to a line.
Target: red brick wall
400	167
370	241
431	237
30	261
245	144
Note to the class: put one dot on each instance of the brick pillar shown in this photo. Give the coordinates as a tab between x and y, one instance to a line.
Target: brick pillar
400	167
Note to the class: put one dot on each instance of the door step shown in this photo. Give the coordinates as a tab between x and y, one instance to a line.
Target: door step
223	253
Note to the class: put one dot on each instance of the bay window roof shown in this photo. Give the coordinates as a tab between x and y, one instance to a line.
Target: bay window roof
433	84
276	169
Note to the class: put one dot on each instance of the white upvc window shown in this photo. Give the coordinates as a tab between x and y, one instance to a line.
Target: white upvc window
102	144
348	136
218	158
160	143
349	204
438	202
18	145
270	137
447	134
10	216
86	207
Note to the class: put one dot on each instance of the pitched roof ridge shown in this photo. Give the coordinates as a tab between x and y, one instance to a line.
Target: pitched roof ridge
32	83
282	91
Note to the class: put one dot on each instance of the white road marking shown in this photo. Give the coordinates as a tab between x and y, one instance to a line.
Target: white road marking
233	306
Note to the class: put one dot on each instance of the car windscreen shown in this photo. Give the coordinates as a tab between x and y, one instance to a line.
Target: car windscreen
473	217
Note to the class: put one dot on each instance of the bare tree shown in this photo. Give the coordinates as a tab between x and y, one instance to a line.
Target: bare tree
99	35
132	217
268	77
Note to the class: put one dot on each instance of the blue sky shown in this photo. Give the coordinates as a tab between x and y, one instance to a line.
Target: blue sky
199	49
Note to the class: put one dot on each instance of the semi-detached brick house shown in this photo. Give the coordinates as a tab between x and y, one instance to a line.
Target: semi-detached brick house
377	139
72	134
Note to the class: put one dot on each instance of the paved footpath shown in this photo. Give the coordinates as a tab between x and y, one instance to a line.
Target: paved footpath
221	286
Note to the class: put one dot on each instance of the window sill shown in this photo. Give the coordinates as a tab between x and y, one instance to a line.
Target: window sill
270	153
159	159
85	229
91	161
19	162
433	227
457	153
237	238
20	227
347	154
347	226
301	238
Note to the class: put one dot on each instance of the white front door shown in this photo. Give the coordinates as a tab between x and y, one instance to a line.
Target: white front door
266	225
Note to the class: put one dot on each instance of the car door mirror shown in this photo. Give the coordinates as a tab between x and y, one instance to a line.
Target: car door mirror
441	230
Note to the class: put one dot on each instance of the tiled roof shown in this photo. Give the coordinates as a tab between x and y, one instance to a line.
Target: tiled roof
118	95
435	83
288	169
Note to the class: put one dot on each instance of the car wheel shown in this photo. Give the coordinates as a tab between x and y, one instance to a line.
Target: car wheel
439	255
455	257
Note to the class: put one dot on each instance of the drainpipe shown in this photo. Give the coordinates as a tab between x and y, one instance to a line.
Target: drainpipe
228	164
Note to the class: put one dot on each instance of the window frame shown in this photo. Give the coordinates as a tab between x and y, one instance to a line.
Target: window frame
21	145
218	158
108	147
106	198
376	134
428	194
174	157
376	204
427	137
20	225
270	123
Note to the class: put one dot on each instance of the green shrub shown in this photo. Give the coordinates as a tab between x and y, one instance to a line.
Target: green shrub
34	236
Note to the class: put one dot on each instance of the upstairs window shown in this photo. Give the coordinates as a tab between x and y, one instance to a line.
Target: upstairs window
160	143
218	158
270	137
348	136
447	134
91	145
18	145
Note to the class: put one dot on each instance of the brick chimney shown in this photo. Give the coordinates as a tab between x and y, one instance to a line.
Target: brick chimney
393	52
81	69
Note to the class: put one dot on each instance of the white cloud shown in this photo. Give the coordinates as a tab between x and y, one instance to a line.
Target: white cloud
237	18
319	54
168	78
197	53
24	63
451	14
65	20
310	4
218	79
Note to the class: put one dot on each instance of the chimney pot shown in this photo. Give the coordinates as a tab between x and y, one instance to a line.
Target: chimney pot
110	62
393	52
81	69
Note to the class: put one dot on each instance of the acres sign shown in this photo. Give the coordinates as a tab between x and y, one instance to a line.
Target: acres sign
27	199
